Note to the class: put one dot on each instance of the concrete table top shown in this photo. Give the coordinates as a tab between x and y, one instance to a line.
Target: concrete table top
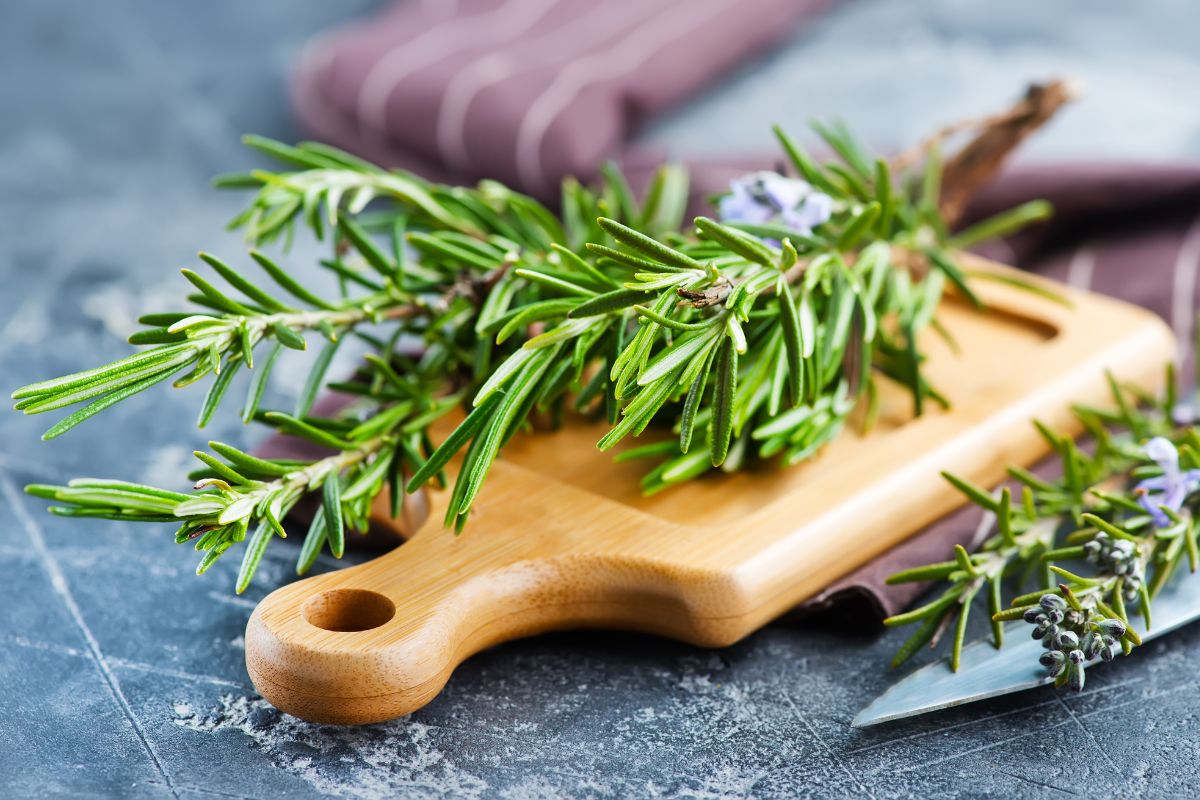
123	672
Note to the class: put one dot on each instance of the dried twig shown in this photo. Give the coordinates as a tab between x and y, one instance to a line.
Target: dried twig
980	159
996	136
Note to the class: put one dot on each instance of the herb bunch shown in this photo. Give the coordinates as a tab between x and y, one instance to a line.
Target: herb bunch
736	339
1098	543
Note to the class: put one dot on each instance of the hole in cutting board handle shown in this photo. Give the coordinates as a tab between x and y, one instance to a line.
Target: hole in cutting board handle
348	610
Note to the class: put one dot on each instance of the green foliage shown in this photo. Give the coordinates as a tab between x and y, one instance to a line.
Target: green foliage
1101	516
759	337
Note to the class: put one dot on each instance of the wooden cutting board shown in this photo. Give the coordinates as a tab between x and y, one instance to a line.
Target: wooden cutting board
562	538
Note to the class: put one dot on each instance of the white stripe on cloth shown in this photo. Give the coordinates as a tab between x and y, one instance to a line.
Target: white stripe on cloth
317	57
575	37
1081	267
626	57
434	45
986	521
1183	290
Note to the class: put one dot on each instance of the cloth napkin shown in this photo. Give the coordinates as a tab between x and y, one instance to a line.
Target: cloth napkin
526	91
523	91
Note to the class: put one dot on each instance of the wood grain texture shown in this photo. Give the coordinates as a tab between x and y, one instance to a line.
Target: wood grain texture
561	537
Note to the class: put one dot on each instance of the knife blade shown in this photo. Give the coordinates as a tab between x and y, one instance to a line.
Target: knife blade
984	672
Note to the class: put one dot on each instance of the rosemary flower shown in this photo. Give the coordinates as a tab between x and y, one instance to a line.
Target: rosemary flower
760	197
1184	414
1171	488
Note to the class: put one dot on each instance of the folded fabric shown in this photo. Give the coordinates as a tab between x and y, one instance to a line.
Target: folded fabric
523	91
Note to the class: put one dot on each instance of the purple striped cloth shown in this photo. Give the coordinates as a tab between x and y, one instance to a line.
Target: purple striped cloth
527	91
523	91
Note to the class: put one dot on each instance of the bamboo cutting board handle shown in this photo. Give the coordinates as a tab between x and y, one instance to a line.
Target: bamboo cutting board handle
561	536
380	639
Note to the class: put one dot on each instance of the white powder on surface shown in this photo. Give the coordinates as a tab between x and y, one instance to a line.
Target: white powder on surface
355	761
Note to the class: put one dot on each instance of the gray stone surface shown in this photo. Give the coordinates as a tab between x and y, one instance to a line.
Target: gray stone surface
123	672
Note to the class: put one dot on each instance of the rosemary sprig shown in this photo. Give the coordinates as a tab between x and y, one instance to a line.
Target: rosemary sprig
1122	516
757	330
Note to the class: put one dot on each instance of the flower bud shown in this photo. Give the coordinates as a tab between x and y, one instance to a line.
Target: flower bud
1066	641
1051	658
1112	627
1033	615
1075	678
1053	661
1052	602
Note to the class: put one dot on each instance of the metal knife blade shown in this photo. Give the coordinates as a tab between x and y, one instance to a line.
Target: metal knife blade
984	672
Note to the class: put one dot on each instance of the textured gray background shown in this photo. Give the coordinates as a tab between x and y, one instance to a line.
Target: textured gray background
123	673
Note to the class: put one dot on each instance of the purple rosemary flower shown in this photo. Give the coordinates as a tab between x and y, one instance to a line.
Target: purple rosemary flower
760	197
1184	414
1169	489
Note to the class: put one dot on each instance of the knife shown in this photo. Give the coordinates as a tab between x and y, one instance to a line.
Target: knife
985	672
